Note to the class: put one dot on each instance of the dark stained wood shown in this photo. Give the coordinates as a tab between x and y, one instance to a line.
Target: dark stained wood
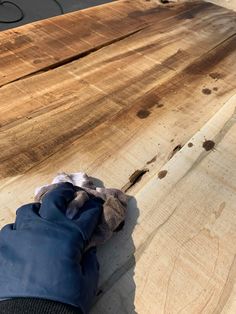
46	43
130	80
141	96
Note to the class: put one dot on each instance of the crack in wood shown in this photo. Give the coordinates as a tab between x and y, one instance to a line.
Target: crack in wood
77	56
174	151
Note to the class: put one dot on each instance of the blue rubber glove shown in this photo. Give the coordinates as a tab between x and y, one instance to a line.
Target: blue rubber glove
42	255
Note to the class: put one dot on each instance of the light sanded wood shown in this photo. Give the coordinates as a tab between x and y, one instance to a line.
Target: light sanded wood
184	260
126	107
230	4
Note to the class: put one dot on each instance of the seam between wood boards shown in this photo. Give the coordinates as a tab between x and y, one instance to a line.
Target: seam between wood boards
76	57
127	36
95	49
126	186
115	41
129	185
124	268
228	123
217	139
174	70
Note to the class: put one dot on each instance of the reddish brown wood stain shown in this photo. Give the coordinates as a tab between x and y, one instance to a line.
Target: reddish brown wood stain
162	174
216	75
112	91
123	107
208	145
206	91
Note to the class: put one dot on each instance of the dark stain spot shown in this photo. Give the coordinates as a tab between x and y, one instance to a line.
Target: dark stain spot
206	91
175	150
162	174
137	176
28	117
190	144
147	103
133	179
142	114
215	89
152	160
172	140
208	145
120	227
216	75
164	1
36	61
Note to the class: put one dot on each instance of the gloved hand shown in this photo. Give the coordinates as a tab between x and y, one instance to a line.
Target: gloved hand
42	253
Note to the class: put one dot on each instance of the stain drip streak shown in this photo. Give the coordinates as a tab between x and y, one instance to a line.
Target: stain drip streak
134	178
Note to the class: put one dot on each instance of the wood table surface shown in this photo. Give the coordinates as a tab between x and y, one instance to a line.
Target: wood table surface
143	97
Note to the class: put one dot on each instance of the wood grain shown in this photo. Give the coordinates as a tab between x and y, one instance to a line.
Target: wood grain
145	76
185	237
225	3
131	110
49	43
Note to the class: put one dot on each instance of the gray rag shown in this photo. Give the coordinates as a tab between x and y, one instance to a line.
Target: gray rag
114	206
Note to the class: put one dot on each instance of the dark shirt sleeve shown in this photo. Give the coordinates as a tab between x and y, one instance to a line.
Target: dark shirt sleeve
35	306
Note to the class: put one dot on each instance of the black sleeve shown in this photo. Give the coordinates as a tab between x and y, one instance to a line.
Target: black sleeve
35	306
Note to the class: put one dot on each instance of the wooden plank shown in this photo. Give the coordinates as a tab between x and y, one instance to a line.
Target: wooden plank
182	255
127	107
155	77
40	45
225	3
168	51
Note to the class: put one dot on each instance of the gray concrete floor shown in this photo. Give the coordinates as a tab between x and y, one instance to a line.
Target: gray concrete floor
40	9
